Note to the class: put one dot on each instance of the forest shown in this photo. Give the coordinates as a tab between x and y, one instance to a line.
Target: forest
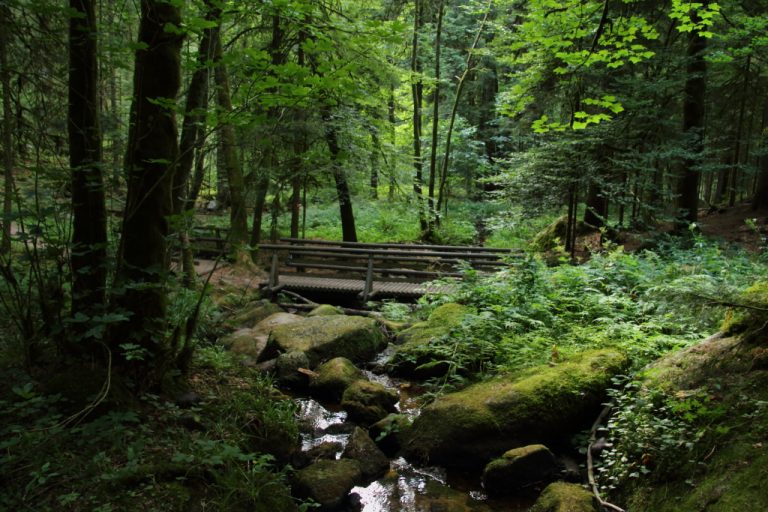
614	154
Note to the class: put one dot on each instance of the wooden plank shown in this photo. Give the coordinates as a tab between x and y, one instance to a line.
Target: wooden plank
395	246
392	252
337	285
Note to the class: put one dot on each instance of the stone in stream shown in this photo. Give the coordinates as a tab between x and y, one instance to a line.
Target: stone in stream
326	337
333	378
470	427
564	497
416	358
288	370
520	468
387	433
327	482
361	448
251	342
368	402
252	314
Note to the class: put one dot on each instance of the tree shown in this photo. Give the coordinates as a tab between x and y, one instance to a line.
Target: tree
7	129
89	218
141	340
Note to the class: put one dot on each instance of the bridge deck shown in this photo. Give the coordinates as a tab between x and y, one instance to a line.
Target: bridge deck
356	286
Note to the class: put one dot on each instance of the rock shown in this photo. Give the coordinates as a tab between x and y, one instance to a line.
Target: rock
416	350
470	427
325	337
325	310
520	468
327	482
368	402
564	497
326	450
361	448
245	342
388	432
275	320
287	370
252	314
333	377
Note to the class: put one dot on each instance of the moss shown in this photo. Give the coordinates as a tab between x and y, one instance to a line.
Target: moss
470	427
252	314
324	337
368	402
439	323
327	481
752	319
564	497
333	377
325	310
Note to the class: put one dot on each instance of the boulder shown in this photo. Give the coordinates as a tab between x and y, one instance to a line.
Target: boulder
564	497
324	450
245	342
252	314
333	378
520	468
470	427
275	320
324	337
288	370
368	402
387	433
415	350
325	310
327	482
361	448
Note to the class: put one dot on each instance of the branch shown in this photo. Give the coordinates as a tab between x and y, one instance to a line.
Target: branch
590	465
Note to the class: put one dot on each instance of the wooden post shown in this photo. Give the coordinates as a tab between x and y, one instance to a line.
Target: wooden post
273	274
368	279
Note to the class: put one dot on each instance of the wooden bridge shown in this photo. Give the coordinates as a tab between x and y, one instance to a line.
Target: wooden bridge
369	270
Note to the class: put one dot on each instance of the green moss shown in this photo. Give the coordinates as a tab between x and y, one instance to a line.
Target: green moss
564	497
439	323
325	310
333	377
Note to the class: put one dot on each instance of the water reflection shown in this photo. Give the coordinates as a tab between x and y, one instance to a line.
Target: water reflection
317	424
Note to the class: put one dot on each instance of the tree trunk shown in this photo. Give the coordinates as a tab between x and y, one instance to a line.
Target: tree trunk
693	126
349	234
417	92
433	214
596	207
735	173
89	217
375	148
140	342
391	111
238	220
760	200
5	81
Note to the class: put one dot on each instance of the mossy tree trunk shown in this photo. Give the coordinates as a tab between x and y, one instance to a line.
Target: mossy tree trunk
140	343
89	218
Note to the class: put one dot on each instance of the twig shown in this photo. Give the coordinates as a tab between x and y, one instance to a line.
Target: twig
297	296
590	465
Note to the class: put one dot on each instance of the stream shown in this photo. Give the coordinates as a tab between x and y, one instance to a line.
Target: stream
405	487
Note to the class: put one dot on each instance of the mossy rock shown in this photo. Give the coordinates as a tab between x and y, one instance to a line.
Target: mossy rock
327	482
325	310
564	497
546	403
368	402
388	432
267	325
326	337
333	378
725	470
413	357
520	468
361	448
249	343
748	321
288	370
553	235
252	314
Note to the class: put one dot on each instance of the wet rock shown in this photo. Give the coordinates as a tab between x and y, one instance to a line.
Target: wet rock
368	402
325	337
361	448
339	429
388	432
564	497
252	314
333	378
288	370
327	482
415	357
470	427
520	468
326	450
325	310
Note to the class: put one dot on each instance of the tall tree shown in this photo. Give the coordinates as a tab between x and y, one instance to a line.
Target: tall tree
150	162
417	94
7	128
89	219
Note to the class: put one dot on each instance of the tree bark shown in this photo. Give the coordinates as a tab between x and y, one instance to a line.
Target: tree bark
89	217
150	163
349	234
693	126
433	214
417	92
238	220
760	200
5	81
